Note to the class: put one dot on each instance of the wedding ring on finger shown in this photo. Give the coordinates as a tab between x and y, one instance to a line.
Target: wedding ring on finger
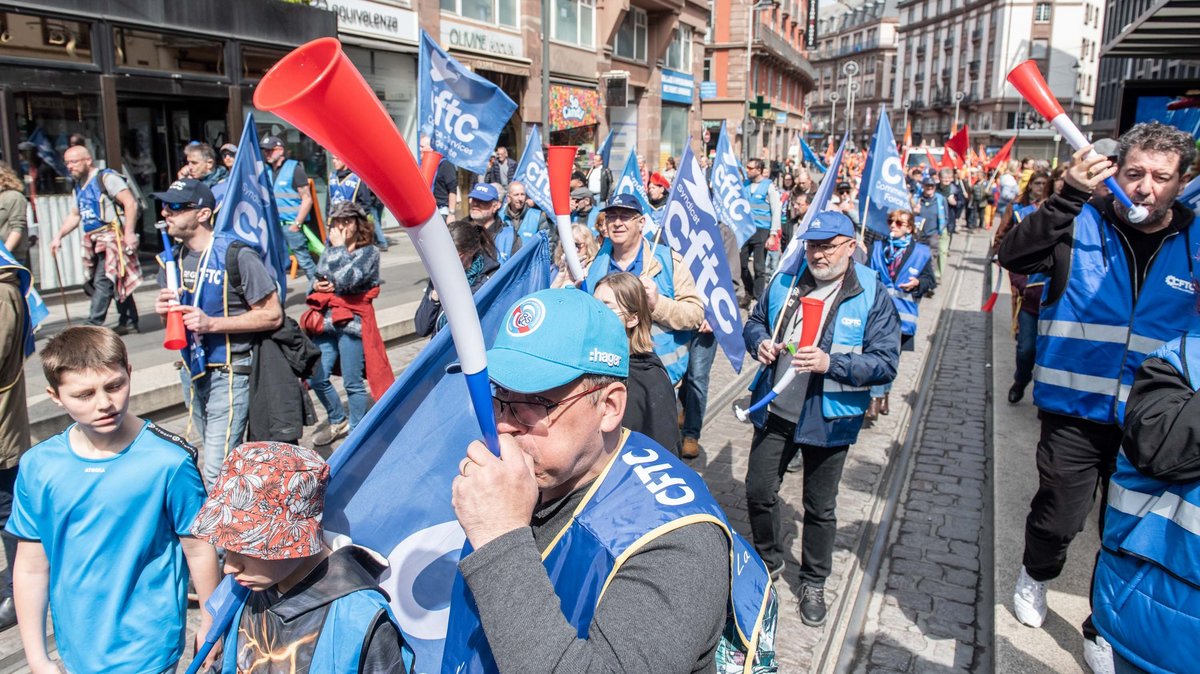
462	467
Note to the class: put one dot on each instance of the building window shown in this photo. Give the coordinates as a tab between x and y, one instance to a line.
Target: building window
630	41
674	131
45	38
1039	49
145	50
679	52
45	119
498	12
1041	12
707	68
574	22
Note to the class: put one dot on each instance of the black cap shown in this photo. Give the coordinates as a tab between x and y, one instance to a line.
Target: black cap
626	201
188	191
270	142
929	182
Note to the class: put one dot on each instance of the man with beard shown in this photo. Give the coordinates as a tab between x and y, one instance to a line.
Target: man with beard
821	412
522	214
583	209
1116	291
482	204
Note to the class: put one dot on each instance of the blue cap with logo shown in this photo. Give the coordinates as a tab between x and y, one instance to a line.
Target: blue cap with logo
624	201
553	337
484	192
826	225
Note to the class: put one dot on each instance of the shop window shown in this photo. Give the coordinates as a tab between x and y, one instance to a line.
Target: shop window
679	52
146	50
630	40
256	61
574	22
1041	12
46	121
498	12
1039	49
674	132
45	38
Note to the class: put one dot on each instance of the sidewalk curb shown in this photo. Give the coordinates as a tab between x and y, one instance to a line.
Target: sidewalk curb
157	388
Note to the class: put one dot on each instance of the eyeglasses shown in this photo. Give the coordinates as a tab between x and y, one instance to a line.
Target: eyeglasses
175	208
903	221
827	248
529	413
621	215
580	245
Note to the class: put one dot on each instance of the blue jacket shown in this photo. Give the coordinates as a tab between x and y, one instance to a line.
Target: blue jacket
935	213
1147	582
875	365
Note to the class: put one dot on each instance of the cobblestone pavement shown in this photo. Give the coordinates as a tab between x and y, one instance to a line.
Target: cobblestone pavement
930	609
726	449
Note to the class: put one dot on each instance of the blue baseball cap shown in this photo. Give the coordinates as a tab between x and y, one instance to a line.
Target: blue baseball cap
826	225
624	201
484	192
553	337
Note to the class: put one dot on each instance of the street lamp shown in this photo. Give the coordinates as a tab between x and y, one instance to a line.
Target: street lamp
752	11
958	96
907	105
850	70
833	100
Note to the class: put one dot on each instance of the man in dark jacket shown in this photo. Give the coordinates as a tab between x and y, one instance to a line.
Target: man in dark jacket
821	412
1117	290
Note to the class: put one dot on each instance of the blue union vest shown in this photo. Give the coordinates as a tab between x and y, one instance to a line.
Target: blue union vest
529	224
342	190
339	648
89	199
849	331
36	310
1093	338
906	304
287	199
212	285
644	493
671	346
760	206
1147	584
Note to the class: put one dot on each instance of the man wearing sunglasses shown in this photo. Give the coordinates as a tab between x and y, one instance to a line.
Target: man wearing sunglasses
222	309
600	505
821	412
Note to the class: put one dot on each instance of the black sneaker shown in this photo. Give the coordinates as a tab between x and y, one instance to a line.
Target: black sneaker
1016	393
812	605
127	330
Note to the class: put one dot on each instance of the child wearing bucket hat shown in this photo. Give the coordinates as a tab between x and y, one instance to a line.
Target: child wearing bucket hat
311	608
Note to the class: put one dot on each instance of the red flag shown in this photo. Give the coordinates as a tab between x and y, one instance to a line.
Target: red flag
959	142
1002	155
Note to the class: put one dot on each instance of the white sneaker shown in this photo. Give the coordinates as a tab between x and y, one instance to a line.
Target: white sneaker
1029	601
331	432
1098	655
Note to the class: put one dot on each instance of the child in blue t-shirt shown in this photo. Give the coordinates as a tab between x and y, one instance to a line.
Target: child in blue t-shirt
104	512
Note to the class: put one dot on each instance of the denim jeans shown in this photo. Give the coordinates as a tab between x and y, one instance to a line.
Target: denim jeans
103	293
880	390
298	244
1123	666
220	406
693	390
1027	330
380	238
349	349
770	452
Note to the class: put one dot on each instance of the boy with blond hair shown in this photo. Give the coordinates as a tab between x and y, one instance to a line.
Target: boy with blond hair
103	512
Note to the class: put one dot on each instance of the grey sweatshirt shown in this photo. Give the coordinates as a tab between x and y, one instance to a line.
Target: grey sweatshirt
663	612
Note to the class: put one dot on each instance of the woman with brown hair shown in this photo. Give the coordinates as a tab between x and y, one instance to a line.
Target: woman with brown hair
341	321
650	405
13	230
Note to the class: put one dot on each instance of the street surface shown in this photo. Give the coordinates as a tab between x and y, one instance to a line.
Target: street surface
930	511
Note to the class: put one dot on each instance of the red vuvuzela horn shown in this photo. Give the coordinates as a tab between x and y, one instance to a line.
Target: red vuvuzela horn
560	160
430	159
810	320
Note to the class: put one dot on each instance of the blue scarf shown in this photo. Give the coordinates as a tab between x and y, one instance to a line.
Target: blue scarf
895	248
475	270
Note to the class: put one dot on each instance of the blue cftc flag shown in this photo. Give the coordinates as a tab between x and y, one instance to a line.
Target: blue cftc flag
811	157
731	199
390	489
531	172
1190	196
461	112
790	260
884	186
691	228
605	150
37	311
631	183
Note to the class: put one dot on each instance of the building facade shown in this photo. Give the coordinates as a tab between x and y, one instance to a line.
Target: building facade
761	99
953	51
855	59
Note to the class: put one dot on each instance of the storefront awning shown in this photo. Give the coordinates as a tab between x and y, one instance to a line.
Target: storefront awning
572	107
1167	29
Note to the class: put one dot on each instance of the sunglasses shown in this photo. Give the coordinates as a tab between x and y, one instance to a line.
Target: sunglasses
175	208
904	221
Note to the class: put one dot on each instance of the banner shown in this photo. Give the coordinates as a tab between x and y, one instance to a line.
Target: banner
691	229
605	150
37	311
630	182
810	157
461	112
789	262
959	142
732	201
390	484
531	172
1001	157
884	186
1190	196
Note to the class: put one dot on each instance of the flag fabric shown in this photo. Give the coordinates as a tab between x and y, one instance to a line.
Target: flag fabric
631	183
47	153
811	157
884	186
907	144
732	200
462	113
1190	196
531	172
691	229
390	484
960	141
789	262
37	311
1001	156
605	151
